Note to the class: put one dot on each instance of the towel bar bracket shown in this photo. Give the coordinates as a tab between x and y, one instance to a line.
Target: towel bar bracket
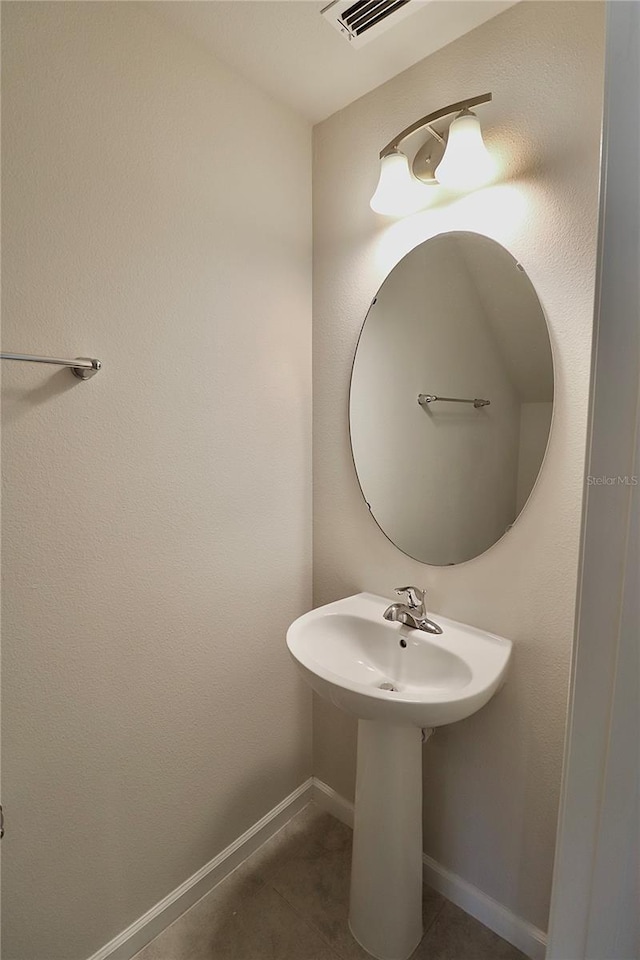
85	373
425	398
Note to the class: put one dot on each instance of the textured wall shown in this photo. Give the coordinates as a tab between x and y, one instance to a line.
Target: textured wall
491	782
157	519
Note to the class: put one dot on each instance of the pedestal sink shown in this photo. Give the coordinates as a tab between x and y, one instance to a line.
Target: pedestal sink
397	681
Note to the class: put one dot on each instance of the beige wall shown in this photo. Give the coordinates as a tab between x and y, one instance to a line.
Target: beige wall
491	782
157	519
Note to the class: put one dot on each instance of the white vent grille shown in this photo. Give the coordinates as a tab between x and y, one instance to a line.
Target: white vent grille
364	20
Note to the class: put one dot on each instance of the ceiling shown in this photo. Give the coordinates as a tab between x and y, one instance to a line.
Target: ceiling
289	50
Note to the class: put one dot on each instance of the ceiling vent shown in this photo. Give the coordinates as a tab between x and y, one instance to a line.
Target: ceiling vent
365	20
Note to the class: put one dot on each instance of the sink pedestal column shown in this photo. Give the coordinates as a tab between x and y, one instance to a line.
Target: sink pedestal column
385	914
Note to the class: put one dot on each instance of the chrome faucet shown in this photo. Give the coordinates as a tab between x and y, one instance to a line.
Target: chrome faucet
413	613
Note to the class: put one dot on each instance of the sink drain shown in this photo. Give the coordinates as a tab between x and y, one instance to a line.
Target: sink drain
387	686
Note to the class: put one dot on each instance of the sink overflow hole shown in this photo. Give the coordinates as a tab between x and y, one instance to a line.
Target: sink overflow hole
403	642
388	686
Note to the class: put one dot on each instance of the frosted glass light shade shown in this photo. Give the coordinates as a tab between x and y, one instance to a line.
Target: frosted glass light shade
397	193
466	162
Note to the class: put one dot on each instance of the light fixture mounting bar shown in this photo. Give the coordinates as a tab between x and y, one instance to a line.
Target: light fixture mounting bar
392	146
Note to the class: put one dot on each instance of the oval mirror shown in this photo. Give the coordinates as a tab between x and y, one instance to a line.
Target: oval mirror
451	398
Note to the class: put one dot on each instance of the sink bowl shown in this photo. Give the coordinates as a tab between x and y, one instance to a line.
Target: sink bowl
389	672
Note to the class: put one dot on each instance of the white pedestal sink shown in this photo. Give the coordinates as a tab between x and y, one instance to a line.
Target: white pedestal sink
397	681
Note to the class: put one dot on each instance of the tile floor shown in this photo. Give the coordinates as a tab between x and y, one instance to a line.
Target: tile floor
290	900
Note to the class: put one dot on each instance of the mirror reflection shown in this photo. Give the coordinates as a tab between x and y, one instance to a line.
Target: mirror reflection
451	398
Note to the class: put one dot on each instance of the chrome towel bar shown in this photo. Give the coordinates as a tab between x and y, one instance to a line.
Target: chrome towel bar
81	367
424	398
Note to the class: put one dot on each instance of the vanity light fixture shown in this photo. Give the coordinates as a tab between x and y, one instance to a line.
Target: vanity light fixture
456	158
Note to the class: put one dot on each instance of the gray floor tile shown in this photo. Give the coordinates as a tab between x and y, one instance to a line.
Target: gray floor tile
316	884
315	879
309	834
456	936
182	940
290	901
258	926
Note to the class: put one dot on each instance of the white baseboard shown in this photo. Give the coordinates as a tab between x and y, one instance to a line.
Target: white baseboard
519	932
331	801
154	921
468	897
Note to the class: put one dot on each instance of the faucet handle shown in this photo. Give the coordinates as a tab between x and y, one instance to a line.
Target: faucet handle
415	596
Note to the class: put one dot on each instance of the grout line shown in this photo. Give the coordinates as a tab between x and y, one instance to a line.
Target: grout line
274	836
308	923
428	929
302	916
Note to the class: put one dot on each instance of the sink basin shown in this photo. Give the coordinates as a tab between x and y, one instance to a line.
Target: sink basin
396	680
389	672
